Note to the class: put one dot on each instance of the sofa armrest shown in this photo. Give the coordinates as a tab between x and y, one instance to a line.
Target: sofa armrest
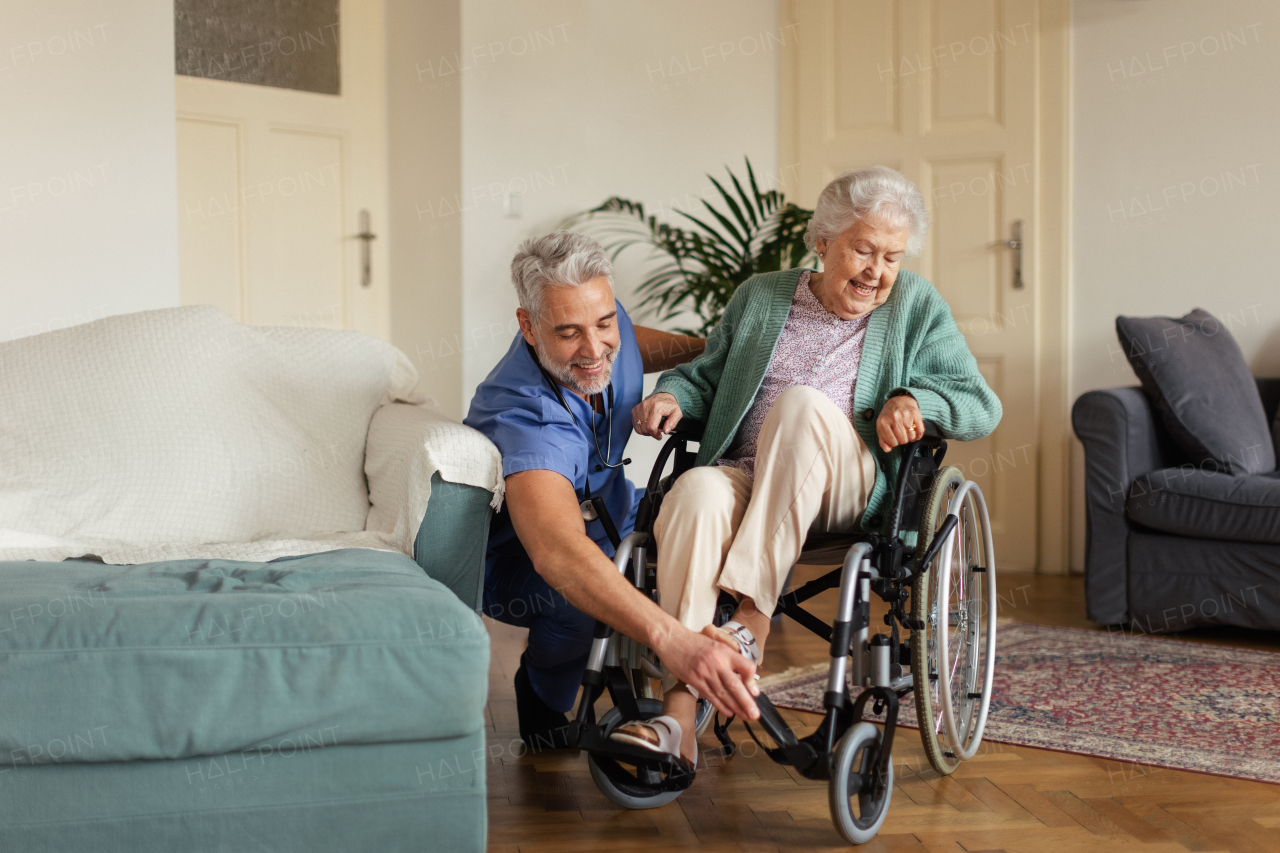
1122	441
412	453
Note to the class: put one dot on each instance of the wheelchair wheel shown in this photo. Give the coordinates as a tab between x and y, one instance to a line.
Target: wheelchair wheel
637	796
957	640
859	796
925	600
973	560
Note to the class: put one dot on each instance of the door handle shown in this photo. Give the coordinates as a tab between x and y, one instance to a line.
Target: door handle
365	237
1016	244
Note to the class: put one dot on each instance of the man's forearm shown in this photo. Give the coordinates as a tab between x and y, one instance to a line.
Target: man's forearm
591	583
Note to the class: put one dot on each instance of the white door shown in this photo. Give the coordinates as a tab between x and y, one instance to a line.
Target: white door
271	185
945	92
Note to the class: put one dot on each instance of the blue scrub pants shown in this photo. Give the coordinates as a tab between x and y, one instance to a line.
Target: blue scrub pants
559	634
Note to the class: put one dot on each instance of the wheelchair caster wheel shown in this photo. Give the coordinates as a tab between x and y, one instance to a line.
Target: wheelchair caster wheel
638	796
859	797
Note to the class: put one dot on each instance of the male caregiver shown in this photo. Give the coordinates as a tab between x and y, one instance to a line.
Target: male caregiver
558	406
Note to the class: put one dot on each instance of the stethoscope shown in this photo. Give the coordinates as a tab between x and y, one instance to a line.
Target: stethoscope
589	509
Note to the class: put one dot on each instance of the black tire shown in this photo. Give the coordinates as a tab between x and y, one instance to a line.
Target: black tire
858	753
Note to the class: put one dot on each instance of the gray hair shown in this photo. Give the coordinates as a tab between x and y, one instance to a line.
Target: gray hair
876	192
558	259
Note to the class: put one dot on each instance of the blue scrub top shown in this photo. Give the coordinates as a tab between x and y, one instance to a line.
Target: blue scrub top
518	410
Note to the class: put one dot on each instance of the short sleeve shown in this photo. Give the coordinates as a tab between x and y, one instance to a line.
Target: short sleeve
533	441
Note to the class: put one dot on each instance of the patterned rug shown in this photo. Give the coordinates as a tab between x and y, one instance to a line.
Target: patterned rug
1154	702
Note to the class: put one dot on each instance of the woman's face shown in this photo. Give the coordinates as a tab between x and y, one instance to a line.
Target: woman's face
859	267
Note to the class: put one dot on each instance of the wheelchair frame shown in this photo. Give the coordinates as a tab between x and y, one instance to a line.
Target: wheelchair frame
877	562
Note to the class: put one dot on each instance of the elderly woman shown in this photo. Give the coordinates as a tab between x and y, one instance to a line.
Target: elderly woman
806	386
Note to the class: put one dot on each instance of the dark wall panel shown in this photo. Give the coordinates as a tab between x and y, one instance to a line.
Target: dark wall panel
290	44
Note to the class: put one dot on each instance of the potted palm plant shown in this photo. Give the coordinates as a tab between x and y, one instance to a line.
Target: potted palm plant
701	266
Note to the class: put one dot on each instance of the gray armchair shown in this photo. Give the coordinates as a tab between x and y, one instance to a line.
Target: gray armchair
1170	545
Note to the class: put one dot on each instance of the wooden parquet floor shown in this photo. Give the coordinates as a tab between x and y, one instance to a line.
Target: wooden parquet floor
1007	798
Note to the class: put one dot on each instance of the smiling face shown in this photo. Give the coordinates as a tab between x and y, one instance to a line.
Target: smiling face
859	267
576	336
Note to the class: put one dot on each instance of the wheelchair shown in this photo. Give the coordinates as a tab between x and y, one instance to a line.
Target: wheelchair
933	563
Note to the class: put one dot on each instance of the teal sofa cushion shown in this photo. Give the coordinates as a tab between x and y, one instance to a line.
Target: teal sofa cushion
204	657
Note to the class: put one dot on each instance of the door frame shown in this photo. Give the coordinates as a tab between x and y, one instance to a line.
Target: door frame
1050	250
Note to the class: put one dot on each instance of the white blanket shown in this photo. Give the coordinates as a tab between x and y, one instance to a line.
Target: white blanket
180	433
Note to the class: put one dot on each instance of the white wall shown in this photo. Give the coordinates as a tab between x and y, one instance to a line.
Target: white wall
424	164
594	106
1176	180
88	176
1176	183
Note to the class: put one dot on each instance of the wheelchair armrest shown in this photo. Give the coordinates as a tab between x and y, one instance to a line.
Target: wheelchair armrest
934	446
678	443
689	430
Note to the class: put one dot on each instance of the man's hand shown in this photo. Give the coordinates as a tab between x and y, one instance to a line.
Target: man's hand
646	418
900	422
719	673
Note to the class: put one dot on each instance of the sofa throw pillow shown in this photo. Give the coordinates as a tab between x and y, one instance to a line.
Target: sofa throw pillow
1193	372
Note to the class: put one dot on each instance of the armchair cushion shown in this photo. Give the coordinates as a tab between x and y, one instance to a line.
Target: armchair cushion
1208	504
1196	377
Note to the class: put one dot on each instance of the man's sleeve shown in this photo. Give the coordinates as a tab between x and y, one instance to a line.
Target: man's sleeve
529	440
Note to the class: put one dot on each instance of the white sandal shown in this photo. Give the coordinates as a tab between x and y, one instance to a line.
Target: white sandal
657	734
746	640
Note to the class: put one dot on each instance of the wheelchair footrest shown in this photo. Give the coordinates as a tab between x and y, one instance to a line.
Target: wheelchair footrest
806	755
771	722
609	755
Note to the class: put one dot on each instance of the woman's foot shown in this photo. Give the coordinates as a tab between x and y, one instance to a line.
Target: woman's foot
746	631
661	734
681	707
736	636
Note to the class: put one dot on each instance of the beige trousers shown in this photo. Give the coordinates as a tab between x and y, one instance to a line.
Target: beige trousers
719	531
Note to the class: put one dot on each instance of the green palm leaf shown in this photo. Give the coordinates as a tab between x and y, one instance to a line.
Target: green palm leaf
698	269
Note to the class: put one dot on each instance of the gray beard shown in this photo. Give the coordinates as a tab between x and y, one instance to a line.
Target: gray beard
564	375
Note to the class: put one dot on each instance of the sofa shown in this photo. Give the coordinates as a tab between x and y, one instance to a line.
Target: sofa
1179	536
240	570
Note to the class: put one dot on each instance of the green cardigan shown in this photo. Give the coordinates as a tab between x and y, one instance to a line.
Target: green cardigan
912	343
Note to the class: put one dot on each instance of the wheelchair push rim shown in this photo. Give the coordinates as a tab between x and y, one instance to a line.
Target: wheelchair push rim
964	710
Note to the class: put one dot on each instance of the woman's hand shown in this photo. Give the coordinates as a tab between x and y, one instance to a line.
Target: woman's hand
900	422
646	418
